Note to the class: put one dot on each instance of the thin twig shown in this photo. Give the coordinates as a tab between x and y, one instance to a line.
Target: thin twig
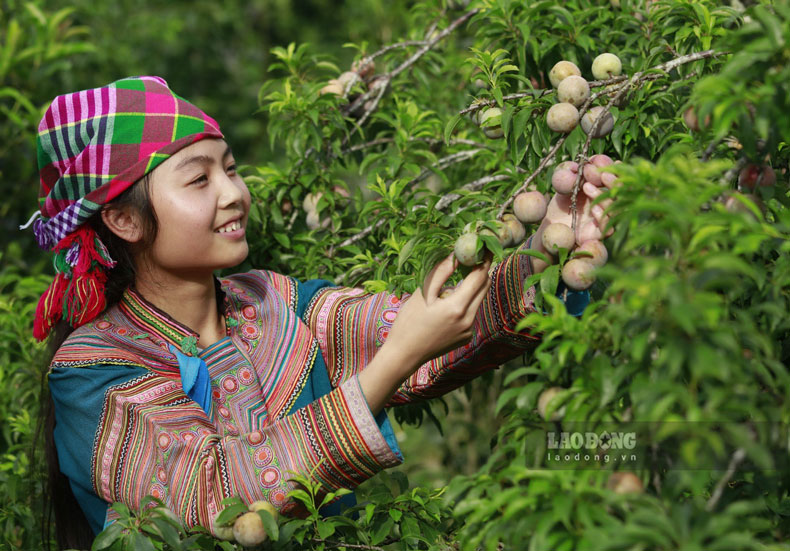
431	141
389	48
335	544
429	44
543	163
736	459
474	185
442	163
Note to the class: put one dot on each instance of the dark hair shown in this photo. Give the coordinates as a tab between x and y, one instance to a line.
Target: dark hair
72	530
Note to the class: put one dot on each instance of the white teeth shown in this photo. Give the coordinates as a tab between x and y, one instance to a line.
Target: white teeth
230	227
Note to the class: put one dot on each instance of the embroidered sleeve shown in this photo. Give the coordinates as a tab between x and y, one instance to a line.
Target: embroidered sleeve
148	438
351	325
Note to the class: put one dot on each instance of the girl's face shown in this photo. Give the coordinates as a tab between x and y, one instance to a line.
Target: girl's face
201	204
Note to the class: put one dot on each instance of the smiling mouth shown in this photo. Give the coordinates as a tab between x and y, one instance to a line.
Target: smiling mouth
229	227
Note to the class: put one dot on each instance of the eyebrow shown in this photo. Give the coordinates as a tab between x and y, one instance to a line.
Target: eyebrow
200	159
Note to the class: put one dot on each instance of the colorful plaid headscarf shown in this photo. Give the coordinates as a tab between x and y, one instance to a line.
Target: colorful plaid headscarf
93	145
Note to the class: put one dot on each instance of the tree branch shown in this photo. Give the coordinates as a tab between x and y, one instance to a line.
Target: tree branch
626	84
335	544
736	460
441	163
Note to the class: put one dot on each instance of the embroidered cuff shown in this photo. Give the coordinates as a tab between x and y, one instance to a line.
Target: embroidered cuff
354	448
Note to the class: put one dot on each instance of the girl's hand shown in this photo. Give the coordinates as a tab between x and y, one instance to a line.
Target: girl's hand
426	327
429	326
590	221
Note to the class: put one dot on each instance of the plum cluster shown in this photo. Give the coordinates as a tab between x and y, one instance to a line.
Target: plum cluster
573	91
587	251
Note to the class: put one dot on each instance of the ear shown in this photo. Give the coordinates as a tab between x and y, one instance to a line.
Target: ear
123	222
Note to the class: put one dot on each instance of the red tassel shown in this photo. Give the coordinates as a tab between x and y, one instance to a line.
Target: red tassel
79	296
50	307
85	298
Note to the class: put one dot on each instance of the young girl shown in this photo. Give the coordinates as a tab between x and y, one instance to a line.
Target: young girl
168	381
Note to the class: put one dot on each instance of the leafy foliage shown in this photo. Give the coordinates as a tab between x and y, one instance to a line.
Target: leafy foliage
687	340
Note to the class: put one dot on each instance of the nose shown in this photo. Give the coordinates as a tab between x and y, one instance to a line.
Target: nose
232	191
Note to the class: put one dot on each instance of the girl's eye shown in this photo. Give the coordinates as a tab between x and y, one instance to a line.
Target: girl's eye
232	168
202	178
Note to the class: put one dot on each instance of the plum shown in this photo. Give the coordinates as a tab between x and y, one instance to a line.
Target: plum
562	70
530	207
578	274
543	403
466	250
598	250
562	117
574	90
248	530
557	236
490	123
517	230
563	180
604	127
606	66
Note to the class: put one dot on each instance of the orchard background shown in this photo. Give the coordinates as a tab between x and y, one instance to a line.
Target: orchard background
686	340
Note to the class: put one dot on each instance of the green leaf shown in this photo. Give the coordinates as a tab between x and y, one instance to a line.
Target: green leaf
325	529
141	543
229	514
382	531
550	280
449	127
167	532
406	251
107	537
269	524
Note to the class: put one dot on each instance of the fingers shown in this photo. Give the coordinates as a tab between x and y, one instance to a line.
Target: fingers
437	277
598	210
474	305
469	288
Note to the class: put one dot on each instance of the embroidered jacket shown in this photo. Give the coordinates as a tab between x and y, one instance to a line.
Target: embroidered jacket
141	410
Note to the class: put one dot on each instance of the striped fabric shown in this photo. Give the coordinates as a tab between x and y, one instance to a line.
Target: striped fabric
94	144
126	428
351	325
